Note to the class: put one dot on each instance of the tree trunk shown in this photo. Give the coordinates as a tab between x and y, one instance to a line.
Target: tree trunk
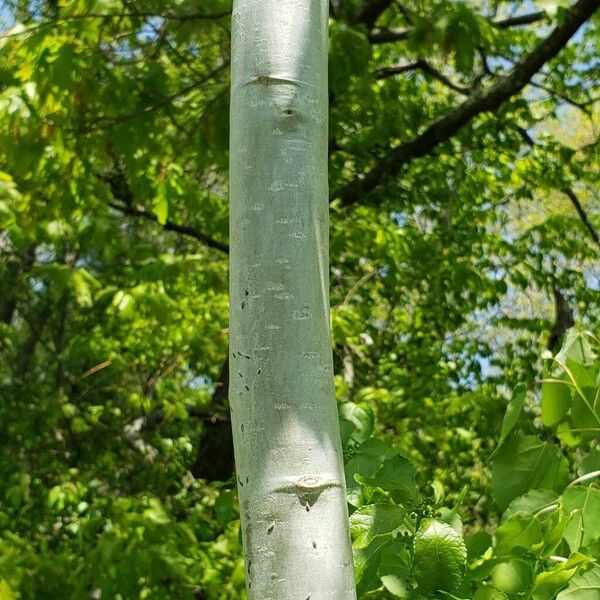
284	417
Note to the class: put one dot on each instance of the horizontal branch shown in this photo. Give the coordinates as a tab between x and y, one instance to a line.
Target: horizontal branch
383	35
526	19
170	226
119	187
108	121
426	67
481	101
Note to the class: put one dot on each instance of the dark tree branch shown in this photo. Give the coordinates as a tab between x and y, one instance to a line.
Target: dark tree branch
485	65
386	72
572	196
568	191
426	67
334	8
121	191
526	19
15	269
481	101
383	35
108	121
371	12
564	319
170	226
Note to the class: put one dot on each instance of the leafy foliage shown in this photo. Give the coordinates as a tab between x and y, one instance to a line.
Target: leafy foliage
439	559
548	536
453	282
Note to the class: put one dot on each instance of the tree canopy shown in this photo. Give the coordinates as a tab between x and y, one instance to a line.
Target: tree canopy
463	169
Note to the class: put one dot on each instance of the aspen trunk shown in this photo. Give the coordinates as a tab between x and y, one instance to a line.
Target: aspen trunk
285	424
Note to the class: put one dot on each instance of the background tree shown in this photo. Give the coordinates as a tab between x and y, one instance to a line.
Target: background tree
464	175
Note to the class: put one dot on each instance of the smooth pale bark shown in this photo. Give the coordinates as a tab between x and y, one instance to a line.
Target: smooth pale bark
286	432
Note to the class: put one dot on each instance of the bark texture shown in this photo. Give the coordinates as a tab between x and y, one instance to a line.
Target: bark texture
284	417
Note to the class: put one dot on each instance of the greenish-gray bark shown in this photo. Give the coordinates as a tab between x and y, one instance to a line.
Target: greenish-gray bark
284	417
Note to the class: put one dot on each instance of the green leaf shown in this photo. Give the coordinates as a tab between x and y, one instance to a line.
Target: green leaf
531	502
450	596
487	592
477	544
514	576
123	302
156	512
225	504
356	423
520	530
84	283
366	563
556	401
451	517
525	463
548	583
590	463
554	523
58	275
513	412
8	189
584	586
438	491
375	520
395	586
582	503
439	557
395	565
349	54
364	464
576	349
5	591
160	206
585	412
396	475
